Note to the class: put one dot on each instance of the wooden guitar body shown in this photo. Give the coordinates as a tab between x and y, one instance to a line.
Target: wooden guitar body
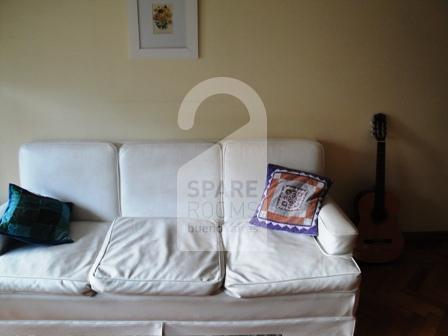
380	239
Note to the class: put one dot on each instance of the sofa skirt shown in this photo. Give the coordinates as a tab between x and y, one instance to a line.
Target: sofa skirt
305	314
175	308
322	326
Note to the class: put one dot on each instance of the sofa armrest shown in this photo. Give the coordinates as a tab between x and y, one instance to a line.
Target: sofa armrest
337	234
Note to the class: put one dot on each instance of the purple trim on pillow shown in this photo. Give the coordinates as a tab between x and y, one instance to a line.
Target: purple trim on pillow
311	230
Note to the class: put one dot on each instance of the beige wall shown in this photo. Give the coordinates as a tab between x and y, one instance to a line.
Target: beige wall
321	67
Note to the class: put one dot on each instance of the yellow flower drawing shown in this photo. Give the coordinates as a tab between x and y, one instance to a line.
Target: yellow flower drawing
162	18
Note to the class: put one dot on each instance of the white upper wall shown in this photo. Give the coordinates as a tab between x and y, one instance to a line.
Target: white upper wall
322	69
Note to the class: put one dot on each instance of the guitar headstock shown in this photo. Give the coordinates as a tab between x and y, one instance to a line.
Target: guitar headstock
379	127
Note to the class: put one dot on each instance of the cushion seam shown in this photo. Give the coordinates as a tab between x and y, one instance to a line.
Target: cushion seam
157	280
296	280
107	246
34	293
42	278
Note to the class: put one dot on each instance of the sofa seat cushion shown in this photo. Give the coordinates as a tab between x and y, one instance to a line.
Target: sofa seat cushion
263	262
59	269
159	256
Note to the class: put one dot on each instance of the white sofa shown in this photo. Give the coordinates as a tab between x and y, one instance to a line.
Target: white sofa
161	236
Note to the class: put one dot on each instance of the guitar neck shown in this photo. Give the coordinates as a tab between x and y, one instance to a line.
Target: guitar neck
380	183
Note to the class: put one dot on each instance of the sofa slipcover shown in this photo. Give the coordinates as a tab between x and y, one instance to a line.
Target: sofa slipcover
171	180
244	170
60	269
263	262
219	307
84	173
290	327
160	256
337	235
176	275
244	176
3	208
78	328
3	239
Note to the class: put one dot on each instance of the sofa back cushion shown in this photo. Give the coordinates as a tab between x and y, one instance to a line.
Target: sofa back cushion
83	173
245	164
171	180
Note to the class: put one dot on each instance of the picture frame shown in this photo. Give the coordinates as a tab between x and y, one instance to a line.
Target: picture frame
163	28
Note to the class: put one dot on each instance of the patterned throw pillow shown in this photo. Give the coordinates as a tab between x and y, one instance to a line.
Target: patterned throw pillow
291	200
36	219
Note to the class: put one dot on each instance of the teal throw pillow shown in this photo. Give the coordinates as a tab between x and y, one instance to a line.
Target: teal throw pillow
36	219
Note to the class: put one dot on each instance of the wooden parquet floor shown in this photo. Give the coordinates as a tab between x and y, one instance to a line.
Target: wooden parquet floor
406	297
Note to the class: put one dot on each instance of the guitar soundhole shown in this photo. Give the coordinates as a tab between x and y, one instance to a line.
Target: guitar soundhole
377	241
379	216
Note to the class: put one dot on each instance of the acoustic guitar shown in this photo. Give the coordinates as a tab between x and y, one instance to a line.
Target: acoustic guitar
380	239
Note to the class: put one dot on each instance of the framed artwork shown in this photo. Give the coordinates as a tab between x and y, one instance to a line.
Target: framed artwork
163	28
